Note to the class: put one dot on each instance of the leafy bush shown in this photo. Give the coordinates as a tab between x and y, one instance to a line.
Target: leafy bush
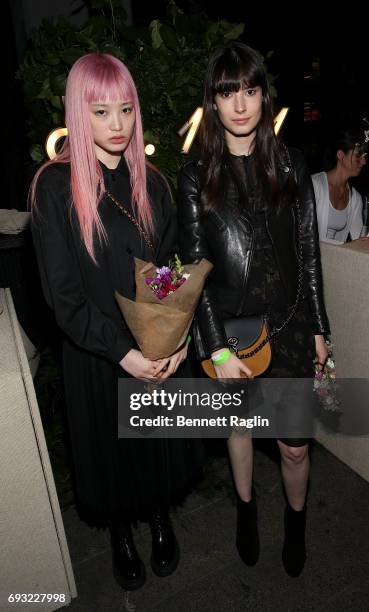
167	61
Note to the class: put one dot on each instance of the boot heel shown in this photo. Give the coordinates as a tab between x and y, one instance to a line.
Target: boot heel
247	536
294	549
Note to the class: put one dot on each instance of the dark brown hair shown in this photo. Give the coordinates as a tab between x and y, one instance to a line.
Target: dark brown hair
347	138
231	67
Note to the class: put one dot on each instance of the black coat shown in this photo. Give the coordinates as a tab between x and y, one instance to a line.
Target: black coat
226	239
114	477
80	292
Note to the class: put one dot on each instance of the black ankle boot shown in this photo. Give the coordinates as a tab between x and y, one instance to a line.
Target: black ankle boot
294	551
165	549
247	538
128	569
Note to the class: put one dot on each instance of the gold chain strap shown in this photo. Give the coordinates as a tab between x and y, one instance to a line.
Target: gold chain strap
142	232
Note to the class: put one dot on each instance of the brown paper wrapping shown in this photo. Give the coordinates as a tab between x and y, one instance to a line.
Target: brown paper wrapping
160	327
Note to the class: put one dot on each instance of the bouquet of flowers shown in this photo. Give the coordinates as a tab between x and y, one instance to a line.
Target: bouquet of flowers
168	278
325	384
166	298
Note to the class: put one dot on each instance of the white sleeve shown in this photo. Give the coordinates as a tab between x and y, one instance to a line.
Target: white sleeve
356	224
319	199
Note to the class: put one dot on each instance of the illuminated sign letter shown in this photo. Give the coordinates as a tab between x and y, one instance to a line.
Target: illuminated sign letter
279	119
192	125
52	139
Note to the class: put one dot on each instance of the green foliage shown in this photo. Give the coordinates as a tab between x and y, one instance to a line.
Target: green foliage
167	61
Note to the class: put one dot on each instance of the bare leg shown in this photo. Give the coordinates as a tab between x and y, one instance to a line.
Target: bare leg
247	536
241	455
295	472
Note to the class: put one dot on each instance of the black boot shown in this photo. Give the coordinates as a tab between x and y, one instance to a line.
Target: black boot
247	538
165	549
294	551
128	569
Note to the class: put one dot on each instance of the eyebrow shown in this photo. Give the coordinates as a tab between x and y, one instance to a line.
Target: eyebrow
103	104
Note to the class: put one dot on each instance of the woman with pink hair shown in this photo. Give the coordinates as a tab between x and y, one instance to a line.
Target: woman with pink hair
85	244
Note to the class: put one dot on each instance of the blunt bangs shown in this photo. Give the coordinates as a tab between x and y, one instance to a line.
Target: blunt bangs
107	84
234	79
224	85
233	74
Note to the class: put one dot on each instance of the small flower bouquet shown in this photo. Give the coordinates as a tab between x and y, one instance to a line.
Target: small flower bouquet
168	278
325	384
166	298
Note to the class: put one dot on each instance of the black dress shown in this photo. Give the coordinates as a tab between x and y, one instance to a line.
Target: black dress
115	478
293	349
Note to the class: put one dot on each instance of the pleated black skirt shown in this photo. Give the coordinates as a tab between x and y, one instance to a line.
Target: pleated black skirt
116	478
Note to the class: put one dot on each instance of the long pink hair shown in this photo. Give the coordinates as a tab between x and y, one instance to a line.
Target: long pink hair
98	78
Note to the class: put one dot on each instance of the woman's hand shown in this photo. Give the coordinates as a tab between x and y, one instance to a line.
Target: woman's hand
173	363
139	367
233	368
321	351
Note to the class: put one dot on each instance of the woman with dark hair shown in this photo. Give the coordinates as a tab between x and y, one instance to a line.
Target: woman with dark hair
339	205
248	206
86	245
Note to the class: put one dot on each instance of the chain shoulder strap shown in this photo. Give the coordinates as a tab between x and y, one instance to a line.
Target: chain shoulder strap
300	274
124	211
300	278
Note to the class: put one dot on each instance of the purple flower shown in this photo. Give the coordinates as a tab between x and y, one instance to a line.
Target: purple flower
167	279
163	270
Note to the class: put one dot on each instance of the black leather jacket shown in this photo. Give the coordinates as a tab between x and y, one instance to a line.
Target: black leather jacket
226	239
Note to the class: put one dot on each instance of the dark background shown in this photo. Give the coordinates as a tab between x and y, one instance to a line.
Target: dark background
321	63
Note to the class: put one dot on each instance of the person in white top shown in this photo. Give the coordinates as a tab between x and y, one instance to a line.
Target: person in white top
339	205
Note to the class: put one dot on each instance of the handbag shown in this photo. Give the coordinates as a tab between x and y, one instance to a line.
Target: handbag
249	337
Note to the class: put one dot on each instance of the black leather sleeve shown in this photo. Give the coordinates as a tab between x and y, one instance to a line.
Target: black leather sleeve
193	247
310	244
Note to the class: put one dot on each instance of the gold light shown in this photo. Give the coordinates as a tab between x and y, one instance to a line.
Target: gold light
279	119
150	149
192	125
52	139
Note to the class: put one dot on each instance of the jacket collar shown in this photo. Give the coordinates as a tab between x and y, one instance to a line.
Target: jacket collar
122	168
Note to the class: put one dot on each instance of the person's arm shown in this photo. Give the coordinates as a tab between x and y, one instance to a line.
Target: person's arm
194	247
310	246
319	203
76	314
356	224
